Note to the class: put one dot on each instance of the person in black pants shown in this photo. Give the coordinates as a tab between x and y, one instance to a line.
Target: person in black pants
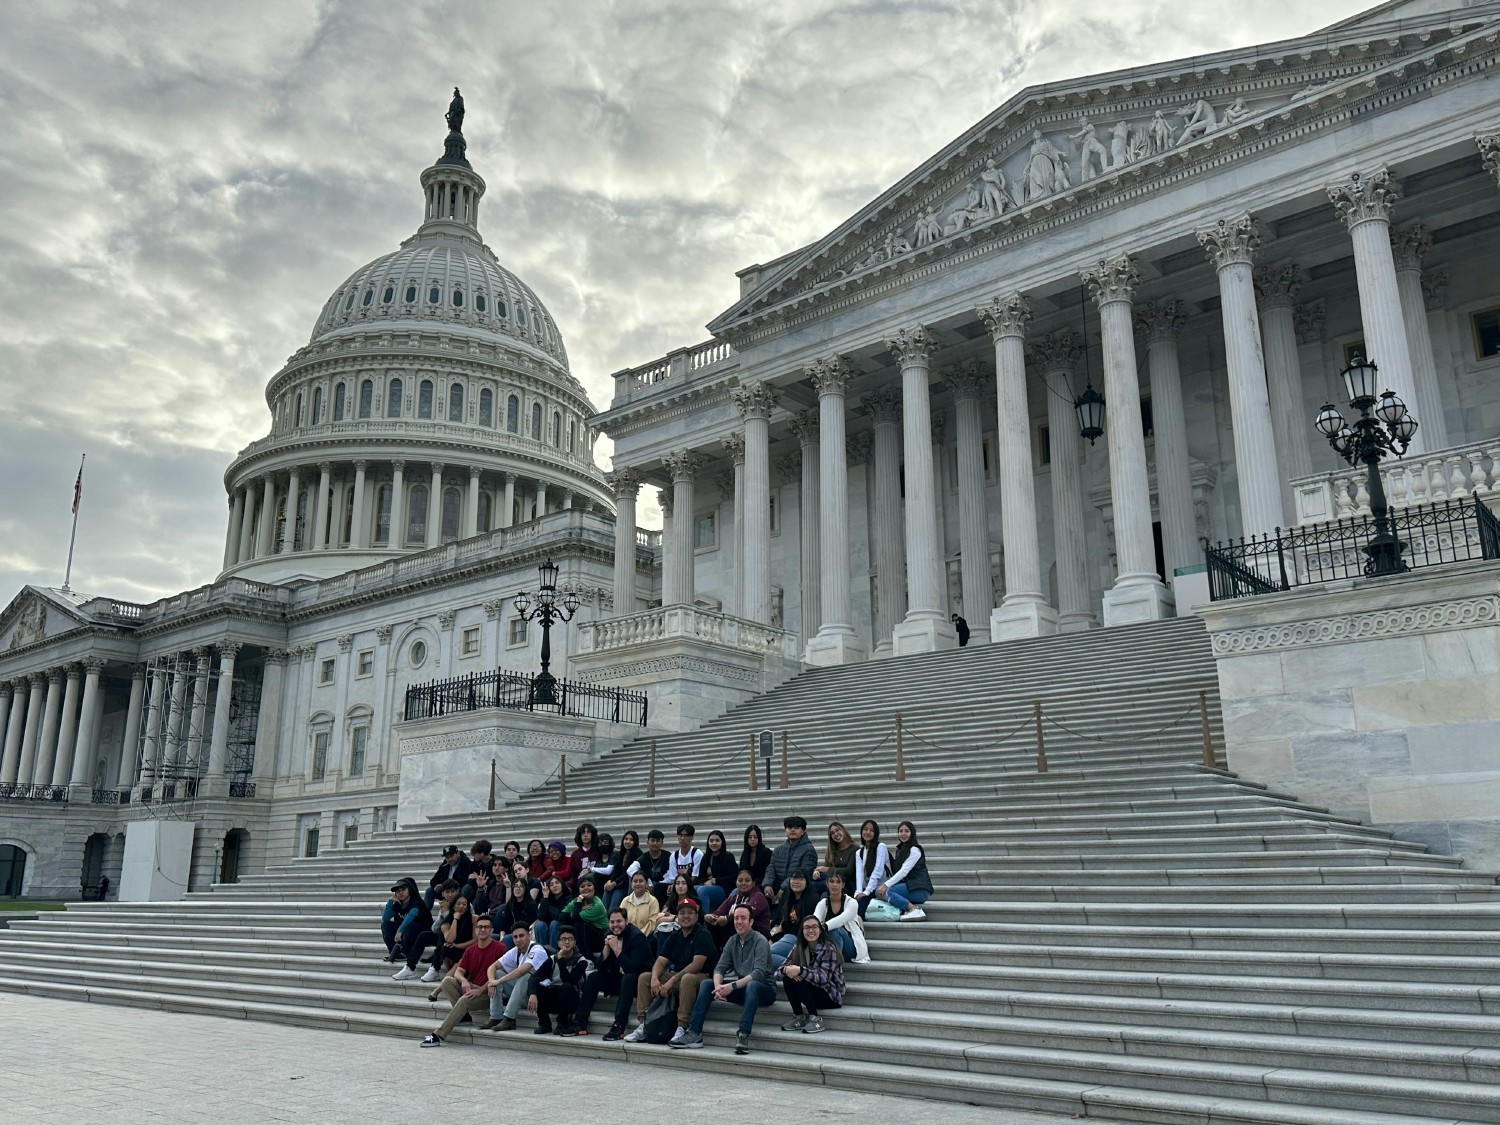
962	628
627	954
564	994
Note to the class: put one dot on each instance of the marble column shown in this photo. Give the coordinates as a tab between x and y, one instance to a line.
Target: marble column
198	718
26	763
1364	203
968	382
1409	247
471	509
154	742
131	748
926	627
887	533
397	537
1160	323
683	466
756	401
359	527
265	539
174	729
218	745
624	485
46	749
508	502
835	642
732	537
86	748
268	718
247	527
232	535
435	506
10	758
68	727
805	427
293	508
340	507
541	499
668	548
1138	593
1024	611
1277	288
6	693
1231	245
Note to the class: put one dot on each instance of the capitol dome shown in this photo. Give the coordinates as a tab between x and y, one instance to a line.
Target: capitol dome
432	403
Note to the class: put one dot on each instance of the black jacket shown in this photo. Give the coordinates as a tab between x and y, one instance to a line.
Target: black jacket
719	870
458	872
635	954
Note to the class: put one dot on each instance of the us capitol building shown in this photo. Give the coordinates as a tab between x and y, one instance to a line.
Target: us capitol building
899	422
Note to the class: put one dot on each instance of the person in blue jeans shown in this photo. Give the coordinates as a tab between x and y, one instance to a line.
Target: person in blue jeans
405	915
908	886
743	976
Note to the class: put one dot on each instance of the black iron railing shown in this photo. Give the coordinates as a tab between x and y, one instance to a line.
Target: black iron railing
238	788
513	691
19	792
1433	534
108	797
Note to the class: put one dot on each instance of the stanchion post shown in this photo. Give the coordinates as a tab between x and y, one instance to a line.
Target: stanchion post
562	788
1041	745
752	761
900	751
492	785
651	775
785	740
1208	738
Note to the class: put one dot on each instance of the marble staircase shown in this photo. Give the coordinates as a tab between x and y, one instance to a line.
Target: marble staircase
1132	935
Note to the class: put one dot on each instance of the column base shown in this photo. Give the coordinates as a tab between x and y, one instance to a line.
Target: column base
1138	601
923	634
1020	618
881	650
213	787
1076	622
834	647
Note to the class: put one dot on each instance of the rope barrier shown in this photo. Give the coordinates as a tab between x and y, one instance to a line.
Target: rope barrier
826	762
1145	734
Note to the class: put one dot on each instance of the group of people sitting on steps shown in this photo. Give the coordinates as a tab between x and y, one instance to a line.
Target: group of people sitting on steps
665	933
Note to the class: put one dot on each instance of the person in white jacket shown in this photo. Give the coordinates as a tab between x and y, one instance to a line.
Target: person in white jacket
839	912
871	863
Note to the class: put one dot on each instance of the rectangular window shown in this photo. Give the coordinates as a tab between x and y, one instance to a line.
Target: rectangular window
1486	333
320	755
517	633
1043	446
325	670
775	511
706	531
1353	350
365	663
310	842
469	641
359	738
1148	423
351	834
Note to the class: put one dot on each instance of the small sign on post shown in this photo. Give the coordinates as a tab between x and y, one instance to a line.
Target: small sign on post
767	742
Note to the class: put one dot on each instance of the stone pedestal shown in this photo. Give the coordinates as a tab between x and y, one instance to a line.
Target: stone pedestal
1131	605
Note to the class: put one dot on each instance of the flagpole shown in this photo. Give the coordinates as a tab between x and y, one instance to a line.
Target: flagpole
73	538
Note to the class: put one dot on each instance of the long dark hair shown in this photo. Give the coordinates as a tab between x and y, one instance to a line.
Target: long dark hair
802	952
904	850
628	852
863	870
747	857
803	903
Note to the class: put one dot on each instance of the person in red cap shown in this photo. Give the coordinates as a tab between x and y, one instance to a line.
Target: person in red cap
681	964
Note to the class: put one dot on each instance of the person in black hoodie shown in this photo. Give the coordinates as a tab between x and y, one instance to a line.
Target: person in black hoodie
455	866
617	879
627	954
406	915
717	875
561	994
796	854
756	857
797	904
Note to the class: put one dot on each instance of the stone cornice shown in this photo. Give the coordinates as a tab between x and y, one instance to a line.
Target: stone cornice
1401	621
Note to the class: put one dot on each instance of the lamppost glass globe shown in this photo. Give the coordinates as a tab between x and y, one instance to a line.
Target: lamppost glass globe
1330	421
1405	428
523	603
1391	408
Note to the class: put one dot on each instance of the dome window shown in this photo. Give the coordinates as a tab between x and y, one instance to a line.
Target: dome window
411	294
389	295
349	304
479	303
520	316
487	407
500	310
369	298
424	399
458	298
434	295
456	402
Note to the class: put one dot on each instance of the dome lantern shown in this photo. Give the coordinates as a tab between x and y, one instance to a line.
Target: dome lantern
451	186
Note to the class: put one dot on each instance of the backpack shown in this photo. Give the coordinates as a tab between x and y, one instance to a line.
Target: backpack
661	1018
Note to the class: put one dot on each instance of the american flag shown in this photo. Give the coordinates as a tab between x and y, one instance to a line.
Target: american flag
78	489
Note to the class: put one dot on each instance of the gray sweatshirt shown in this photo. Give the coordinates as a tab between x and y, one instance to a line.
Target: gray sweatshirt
748	956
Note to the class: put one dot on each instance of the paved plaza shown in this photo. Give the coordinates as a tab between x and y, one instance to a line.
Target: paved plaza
62	1061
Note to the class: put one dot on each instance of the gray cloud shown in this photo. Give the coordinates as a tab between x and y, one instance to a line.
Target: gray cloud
182	187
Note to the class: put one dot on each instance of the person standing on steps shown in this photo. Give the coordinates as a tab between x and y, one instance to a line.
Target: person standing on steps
796	854
627	955
742	976
813	977
511	977
466	986
962	628
871	862
680	965
909	885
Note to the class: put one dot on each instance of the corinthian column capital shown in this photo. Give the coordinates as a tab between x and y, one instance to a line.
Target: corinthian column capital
734	445
805	426
1365	198
1111	279
830	375
1231	241
623	483
1277	287
912	346
968	379
1489	153
1409	246
1005	316
883	405
683	465
1160	320
755	400
1061	351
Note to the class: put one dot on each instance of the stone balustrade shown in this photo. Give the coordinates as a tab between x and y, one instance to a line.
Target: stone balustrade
674	365
686	622
1442	474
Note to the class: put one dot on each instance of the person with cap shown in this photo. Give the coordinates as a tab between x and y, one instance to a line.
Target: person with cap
405	916
796	854
455	866
466	987
742	976
680	965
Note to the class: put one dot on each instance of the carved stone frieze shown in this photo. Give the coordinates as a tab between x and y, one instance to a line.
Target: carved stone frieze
789	465
1435	289
669	664
1308	320
1401	622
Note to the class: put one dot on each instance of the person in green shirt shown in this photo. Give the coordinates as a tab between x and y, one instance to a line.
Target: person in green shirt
589	919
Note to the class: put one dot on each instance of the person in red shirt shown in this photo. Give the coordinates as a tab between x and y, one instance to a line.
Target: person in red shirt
560	866
466	986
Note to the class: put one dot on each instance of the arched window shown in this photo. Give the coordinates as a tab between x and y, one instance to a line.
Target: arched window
369	299
393	399
452	513
389	295
299	408
572	435
424	399
383	514
349	304
434	295
520	316
456	402
486	407
536	421
479	303
486	511
339	393
416	514
366	397
411	294
501	309
557	429
513	414
458	298
317	405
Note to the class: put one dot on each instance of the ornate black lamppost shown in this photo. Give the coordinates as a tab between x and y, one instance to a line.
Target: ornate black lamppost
1389	428
547	610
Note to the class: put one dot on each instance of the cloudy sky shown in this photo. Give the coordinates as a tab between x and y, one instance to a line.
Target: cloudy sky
183	184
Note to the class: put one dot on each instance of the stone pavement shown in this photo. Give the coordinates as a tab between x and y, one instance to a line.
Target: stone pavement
67	1061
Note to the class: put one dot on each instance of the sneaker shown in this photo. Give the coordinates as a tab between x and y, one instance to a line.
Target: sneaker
638	1035
566	1029
742	1043
915	914
861	960
431	976
403	973
614	1034
431	1041
677	1037
796	1023
543	1027
687	1040
814	1025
